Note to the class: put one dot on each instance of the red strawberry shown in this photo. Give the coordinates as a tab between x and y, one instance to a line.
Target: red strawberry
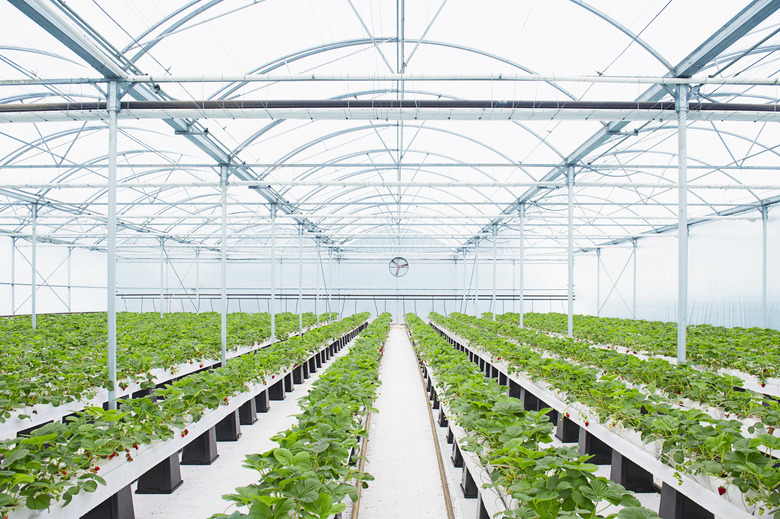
587	424
113	455
201	365
763	384
135	446
567	415
721	490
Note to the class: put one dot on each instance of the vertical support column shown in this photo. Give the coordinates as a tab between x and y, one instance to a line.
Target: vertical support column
317	268
329	282
633	303
162	275
13	275
454	284
764	266
70	292
300	277
495	259
273	273
34	264
476	279
223	170
570	309
113	109
521	254
197	279
682	225
465	284
598	282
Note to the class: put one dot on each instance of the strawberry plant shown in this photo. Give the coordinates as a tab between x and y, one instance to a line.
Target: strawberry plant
546	482
57	461
309	473
685	436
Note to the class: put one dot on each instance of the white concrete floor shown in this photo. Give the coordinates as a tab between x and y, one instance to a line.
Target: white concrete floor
401	455
201	494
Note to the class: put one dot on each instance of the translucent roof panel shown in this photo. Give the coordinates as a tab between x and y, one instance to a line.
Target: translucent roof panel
500	101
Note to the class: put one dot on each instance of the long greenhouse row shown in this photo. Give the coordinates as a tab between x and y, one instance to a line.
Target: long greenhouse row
539	425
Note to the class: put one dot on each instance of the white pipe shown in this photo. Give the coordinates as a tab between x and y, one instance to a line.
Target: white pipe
197	279
113	109
318	268
300	278
223	267
13	275
521	274
682	226
70	252
162	276
34	266
764	267
476	279
273	272
387	184
598	282
570	306
633	306
495	254
395	77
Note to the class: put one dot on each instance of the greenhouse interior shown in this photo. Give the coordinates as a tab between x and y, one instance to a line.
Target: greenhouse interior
361	259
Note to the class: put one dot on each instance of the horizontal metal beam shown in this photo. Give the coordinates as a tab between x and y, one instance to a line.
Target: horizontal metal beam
373	184
385	165
392	78
390	109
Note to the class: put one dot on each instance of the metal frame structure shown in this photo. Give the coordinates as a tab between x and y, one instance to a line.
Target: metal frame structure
365	163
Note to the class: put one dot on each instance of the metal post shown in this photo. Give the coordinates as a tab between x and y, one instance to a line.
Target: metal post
113	109
197	279
329	283
223	169
521	252
300	277
682	228
34	263
633	306
764	267
273	273
317	268
70	251
570	312
493	306
13	275
162	275
465	284
476	280
340	295
598	282
454	284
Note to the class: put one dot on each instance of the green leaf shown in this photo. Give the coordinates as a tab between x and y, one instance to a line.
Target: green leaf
38	502
284	456
509	406
637	513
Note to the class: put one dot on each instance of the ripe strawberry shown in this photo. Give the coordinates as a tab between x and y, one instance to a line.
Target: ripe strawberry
567	415
587	424
201	365
135	446
763	384
721	490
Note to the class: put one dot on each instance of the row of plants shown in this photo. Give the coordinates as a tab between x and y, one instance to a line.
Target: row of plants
59	460
656	374
65	358
752	350
689	440
309	473
543	481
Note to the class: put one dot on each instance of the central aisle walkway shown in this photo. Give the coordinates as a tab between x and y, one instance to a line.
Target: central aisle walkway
401	454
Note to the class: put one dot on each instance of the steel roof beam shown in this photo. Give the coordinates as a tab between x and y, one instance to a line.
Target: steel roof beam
741	24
